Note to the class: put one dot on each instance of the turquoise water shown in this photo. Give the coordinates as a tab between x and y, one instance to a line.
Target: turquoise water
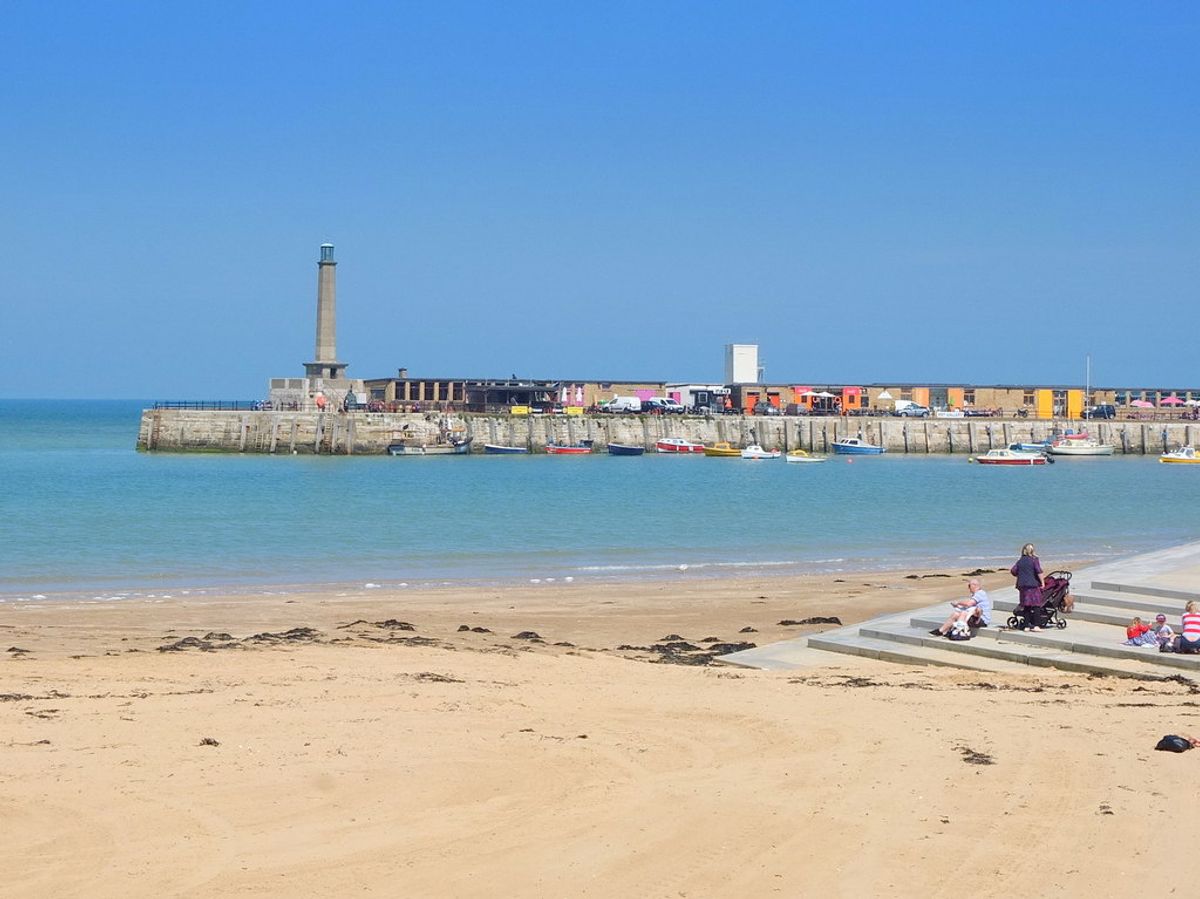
81	511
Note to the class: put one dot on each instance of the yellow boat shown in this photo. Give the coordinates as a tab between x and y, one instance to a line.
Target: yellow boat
723	449
1185	455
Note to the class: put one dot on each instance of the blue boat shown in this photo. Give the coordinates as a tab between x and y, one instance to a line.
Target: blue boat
497	449
625	449
856	446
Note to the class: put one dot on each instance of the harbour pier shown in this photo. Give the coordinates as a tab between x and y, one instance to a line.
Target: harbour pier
369	433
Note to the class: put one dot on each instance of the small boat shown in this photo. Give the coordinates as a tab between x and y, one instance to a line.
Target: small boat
498	449
574	449
1185	455
799	455
754	451
856	446
1030	447
625	449
411	448
678	445
1009	456
723	450
1080	445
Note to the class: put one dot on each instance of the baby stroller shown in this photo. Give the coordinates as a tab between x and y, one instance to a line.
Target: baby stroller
1055	587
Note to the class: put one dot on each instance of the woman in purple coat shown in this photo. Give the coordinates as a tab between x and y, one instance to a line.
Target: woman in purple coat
1028	572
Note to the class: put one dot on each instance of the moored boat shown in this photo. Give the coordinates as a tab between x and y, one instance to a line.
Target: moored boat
799	455
498	449
678	445
625	449
856	446
1009	456
412	448
1080	445
723	450
574	449
1185	455
754	451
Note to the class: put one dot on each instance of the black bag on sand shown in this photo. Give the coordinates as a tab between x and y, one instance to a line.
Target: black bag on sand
1172	743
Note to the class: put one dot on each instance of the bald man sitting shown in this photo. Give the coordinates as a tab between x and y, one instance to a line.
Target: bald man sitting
975	611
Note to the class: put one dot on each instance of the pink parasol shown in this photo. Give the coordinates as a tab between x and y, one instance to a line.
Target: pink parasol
1171	400
1142	404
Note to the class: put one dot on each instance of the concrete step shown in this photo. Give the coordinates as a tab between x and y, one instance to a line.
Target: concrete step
1026	652
910	654
1172	609
1146	590
1111	615
1083	638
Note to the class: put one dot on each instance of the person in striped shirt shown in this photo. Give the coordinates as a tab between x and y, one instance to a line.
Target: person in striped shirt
1189	639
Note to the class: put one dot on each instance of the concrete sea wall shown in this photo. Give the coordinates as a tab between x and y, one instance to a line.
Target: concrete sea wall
366	433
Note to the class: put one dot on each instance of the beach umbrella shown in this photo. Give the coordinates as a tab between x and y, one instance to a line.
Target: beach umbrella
578	395
1171	400
810	393
885	396
1193	402
825	395
1142	404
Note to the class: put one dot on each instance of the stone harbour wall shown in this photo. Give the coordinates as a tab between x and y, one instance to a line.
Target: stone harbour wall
366	433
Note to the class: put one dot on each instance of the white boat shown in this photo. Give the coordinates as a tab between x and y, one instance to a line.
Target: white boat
856	446
411	448
1185	455
1080	445
799	455
1009	456
754	451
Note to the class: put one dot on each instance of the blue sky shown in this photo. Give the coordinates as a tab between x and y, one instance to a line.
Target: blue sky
949	192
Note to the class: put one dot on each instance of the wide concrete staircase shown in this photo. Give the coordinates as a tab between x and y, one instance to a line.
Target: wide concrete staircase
1090	643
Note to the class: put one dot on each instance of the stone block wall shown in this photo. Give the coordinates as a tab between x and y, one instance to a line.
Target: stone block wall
364	433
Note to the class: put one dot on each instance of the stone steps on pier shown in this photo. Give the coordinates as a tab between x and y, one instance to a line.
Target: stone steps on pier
1091	642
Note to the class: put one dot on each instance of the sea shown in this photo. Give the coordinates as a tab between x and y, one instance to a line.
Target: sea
83	515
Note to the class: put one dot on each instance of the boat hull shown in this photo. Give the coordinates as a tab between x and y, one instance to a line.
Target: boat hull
847	448
757	454
1012	460
496	449
555	449
1101	449
625	449
723	451
680	447
459	448
1184	456
803	457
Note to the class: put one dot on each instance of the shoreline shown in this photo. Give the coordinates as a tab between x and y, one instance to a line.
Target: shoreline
589	616
631	577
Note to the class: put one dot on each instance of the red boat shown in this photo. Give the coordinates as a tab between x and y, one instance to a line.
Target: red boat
678	445
558	449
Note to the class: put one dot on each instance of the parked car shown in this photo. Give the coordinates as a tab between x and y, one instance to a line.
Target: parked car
1103	410
662	404
913	410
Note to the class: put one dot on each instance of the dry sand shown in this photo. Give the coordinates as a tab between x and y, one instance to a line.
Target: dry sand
375	760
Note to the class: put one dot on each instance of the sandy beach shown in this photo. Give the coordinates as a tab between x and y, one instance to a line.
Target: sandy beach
412	744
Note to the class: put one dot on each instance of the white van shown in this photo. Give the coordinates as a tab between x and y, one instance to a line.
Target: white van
623	404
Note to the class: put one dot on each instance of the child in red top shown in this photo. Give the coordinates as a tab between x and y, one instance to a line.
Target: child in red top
1136	633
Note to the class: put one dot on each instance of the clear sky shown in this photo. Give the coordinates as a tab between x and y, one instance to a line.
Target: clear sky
891	191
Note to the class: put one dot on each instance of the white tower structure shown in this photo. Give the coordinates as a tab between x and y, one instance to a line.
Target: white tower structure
741	363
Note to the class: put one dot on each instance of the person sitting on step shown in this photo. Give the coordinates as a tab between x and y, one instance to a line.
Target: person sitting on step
975	611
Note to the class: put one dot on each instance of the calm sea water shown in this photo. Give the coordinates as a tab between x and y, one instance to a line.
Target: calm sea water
83	512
